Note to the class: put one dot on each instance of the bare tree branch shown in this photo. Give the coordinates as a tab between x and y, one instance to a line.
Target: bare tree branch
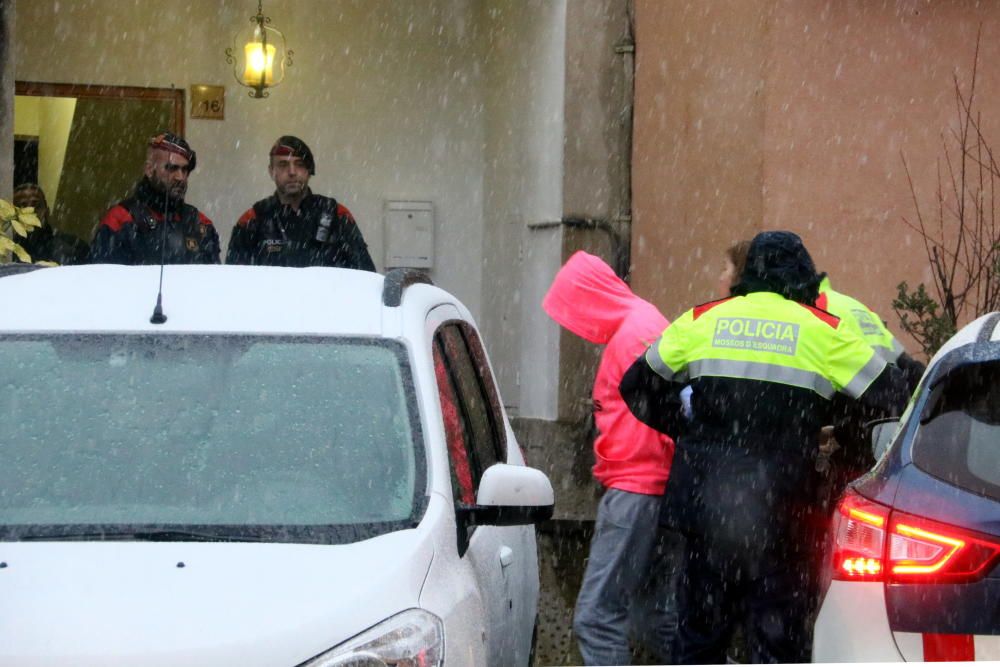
962	241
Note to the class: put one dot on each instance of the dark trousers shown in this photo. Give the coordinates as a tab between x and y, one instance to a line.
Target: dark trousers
747	519
773	609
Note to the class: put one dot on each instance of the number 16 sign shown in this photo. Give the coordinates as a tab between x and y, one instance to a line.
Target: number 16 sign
208	102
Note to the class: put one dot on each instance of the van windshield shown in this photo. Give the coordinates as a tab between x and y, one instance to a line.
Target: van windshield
287	439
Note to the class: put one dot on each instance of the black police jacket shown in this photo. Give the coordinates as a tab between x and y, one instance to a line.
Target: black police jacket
321	233
132	232
45	244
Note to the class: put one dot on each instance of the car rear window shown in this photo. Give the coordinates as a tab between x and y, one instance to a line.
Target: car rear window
958	438
304	439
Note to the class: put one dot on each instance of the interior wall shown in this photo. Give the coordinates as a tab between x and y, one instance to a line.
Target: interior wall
524	65
27	115
388	94
55	118
49	119
7	56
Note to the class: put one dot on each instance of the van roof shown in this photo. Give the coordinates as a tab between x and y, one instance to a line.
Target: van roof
196	298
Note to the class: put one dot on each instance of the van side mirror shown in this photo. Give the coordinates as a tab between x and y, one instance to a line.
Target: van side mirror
880	434
509	495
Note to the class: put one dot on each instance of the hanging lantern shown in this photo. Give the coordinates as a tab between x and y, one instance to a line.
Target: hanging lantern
265	55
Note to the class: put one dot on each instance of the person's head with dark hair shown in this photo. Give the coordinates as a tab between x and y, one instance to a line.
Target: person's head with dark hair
290	166
779	262
735	260
289	146
169	162
31	194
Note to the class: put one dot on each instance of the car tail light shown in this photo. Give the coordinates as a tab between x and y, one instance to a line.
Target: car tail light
921	550
859	539
874	543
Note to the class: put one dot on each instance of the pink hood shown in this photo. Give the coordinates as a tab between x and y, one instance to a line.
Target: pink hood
587	298
590	300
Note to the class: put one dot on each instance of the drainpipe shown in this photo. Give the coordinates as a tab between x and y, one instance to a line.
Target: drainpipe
623	221
618	228
613	228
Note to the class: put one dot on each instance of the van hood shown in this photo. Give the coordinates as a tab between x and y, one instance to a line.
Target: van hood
133	603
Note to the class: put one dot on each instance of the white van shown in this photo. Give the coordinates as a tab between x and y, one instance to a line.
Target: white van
298	467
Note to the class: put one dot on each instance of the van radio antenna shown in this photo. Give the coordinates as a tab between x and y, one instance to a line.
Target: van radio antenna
158	316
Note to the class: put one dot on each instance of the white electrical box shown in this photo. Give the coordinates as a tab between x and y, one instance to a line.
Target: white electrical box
409	234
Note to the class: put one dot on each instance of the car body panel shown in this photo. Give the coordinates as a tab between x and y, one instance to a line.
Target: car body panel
231	603
204	299
250	603
971	608
507	633
953	609
451	591
914	647
852	625
929	620
927	496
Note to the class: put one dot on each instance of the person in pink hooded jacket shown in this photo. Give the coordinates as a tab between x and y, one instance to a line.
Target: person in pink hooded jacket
632	462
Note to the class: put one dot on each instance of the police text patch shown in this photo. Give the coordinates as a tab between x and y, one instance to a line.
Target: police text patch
869	327
745	333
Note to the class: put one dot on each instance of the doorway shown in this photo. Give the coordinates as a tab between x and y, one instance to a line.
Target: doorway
85	144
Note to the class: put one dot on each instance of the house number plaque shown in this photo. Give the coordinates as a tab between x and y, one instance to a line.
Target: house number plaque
208	102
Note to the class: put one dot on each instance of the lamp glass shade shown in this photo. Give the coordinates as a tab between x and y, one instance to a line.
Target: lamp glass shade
259	59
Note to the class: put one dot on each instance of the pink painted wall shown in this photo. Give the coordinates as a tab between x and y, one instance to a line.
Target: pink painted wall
793	114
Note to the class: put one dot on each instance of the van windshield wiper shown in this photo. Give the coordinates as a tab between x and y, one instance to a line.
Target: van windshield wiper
164	535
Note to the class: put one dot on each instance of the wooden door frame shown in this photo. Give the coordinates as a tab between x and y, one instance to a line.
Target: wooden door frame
96	91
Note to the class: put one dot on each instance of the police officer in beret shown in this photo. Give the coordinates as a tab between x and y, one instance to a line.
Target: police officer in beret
132	232
294	226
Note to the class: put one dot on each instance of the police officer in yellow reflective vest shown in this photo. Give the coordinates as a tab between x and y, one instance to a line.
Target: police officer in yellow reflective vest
869	326
854	455
763	367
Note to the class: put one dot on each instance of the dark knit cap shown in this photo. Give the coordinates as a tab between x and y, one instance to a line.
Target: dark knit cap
779	262
294	147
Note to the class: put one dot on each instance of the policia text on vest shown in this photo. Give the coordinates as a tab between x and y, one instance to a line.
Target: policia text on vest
755	334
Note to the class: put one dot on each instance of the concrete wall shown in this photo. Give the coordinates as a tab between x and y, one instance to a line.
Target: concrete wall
851	87
595	182
524	65
388	94
596	162
792	114
698	148
555	148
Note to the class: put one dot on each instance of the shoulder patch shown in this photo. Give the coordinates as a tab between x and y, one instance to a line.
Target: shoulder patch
203	219
116	218
698	311
245	219
828	318
344	214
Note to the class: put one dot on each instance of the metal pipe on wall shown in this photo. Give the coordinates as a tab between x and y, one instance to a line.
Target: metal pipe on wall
626	49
